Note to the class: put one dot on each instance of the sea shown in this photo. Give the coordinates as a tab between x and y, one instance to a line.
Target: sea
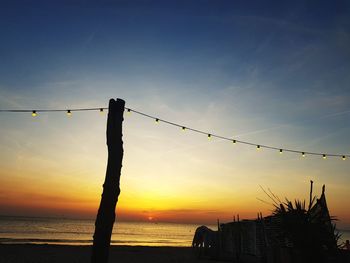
62	231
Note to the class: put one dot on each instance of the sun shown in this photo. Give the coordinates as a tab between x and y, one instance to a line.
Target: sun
150	218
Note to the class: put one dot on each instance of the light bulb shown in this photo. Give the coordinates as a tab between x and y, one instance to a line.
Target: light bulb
101	110
343	157
281	151
324	156
69	113
34	113
258	147
209	136
303	154
234	141
157	120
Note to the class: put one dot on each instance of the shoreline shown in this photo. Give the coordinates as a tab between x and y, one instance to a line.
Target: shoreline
42	253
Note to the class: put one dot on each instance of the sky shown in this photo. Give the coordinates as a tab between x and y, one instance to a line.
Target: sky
266	72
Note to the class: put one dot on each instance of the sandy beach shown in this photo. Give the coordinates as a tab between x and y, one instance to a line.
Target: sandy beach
29	253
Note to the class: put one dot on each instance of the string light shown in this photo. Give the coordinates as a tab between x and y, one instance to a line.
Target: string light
183	128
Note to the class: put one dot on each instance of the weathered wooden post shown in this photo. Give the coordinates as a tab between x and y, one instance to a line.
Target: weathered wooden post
106	212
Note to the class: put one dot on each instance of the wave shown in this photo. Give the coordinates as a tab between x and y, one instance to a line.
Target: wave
74	233
41	240
83	241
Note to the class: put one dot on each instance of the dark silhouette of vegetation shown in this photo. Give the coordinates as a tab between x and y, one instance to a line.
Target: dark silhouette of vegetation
310	231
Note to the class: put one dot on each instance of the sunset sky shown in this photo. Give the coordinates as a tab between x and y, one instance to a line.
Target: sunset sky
264	72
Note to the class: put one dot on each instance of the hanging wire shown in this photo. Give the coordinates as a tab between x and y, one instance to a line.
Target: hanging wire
184	128
57	110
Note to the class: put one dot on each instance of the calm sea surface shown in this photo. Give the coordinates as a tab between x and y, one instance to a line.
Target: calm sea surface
79	232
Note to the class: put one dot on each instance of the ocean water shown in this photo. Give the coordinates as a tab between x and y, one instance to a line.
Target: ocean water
80	232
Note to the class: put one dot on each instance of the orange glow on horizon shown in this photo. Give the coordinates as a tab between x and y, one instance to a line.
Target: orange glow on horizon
159	204
49	205
175	183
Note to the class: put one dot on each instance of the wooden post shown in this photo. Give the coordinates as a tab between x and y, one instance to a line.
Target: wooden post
106	213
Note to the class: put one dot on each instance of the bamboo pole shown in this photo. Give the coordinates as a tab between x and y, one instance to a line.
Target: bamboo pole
106	213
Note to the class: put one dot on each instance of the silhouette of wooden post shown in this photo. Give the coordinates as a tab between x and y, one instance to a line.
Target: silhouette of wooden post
106	212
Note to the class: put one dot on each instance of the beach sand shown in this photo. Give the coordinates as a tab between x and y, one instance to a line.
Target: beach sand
28	253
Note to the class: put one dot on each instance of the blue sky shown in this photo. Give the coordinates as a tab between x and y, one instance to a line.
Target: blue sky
264	71
296	51
283	63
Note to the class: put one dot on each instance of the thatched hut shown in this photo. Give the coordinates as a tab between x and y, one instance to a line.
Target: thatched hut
292	233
